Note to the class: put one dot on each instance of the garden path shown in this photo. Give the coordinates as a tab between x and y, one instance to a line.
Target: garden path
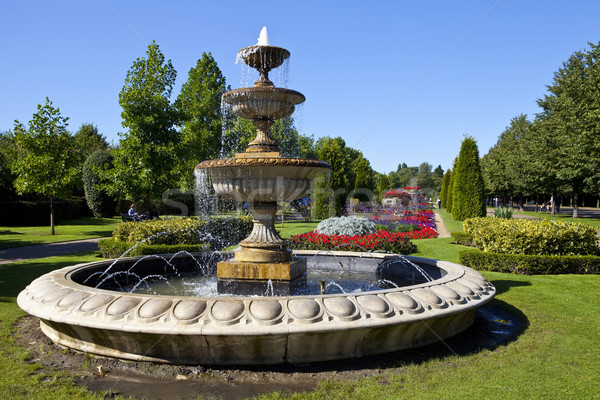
441	227
47	250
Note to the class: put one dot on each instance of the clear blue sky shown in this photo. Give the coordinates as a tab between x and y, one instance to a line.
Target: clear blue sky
402	81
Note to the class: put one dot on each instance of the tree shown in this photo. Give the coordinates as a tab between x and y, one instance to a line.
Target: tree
333	151
88	140
101	204
199	103
145	163
508	168
8	154
363	183
444	189
47	163
571	117
383	185
468	191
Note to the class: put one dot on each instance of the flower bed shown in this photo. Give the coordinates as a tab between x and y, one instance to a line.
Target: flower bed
398	243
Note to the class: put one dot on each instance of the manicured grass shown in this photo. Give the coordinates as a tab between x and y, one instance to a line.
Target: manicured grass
440	249
83	228
556	356
451	225
291	228
19	379
561	217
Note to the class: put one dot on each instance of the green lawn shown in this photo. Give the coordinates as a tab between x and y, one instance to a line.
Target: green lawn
83	228
291	228
555	356
18	378
561	217
451	225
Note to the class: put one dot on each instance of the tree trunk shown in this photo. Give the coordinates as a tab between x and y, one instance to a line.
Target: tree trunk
51	217
553	202
575	198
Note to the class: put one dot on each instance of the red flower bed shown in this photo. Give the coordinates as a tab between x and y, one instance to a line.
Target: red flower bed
398	243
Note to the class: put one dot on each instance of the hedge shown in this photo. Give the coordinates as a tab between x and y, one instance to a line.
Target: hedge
529	264
462	238
112	248
172	235
37	213
534	237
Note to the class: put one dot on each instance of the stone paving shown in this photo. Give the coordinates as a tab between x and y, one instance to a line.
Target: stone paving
47	250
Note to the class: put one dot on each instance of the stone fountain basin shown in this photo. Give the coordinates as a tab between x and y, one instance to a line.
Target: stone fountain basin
263	179
263	102
257	330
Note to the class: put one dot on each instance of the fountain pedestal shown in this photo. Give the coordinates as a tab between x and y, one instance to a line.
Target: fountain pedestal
260	177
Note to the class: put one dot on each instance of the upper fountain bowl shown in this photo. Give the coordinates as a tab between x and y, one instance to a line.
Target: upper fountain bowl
263	57
263	102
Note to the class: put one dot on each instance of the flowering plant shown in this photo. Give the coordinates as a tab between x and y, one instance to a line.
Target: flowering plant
398	243
412	188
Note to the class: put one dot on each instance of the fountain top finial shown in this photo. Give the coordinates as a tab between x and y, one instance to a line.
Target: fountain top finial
263	39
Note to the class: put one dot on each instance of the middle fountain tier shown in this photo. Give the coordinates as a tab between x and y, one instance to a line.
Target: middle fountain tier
260	177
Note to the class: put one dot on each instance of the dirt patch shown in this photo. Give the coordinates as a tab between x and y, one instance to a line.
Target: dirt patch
493	327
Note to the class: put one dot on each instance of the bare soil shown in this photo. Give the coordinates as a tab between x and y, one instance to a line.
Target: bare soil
493	327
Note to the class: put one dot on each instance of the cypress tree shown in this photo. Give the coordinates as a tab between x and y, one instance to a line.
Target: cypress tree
468	188
101	204
444	190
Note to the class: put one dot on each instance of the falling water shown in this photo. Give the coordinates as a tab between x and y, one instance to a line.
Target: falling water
203	194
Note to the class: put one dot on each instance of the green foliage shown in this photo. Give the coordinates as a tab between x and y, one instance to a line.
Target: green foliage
462	238
530	264
145	162
444	190
383	185
503	212
449	193
200	105
468	189
46	162
525	236
349	226
334	152
363	183
193	230
113	248
322	205
88	140
101	204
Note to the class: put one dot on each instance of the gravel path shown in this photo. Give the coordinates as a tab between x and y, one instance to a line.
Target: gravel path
441	227
47	250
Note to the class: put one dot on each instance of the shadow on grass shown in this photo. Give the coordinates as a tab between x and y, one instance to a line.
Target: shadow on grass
15	277
504	285
496	324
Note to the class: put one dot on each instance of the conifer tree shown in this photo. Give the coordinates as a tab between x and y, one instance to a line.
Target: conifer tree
468	188
444	190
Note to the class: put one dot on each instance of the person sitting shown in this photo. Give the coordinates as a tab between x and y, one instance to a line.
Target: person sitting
132	213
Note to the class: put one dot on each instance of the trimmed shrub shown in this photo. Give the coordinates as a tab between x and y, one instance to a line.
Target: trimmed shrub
214	234
525	236
529	264
348	226
37	213
503	212
101	204
112	248
468	187
462	238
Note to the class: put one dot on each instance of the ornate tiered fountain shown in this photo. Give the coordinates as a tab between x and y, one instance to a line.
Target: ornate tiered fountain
89	307
260	177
